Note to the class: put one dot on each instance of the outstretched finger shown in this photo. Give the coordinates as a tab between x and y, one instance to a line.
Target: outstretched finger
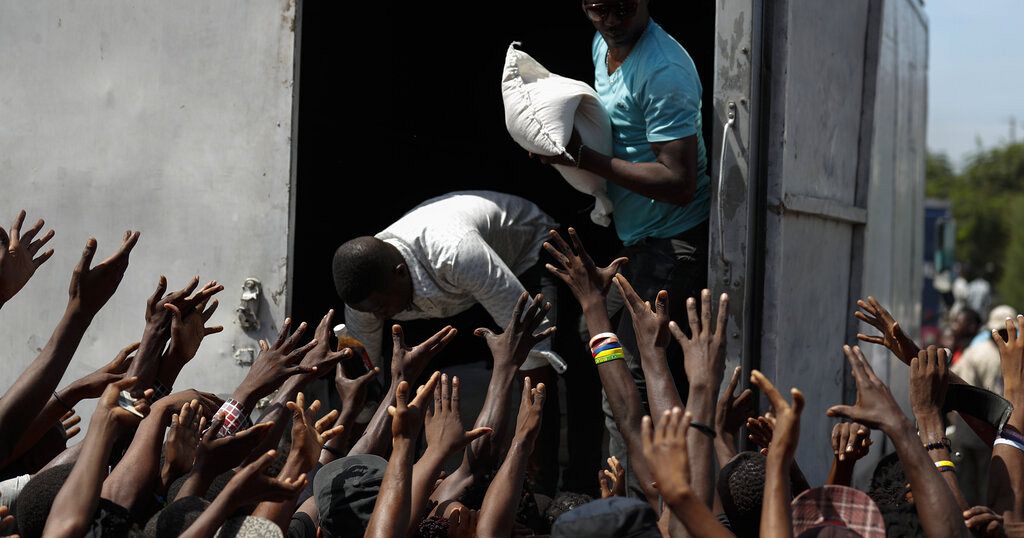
16	230
769	390
426	391
283	335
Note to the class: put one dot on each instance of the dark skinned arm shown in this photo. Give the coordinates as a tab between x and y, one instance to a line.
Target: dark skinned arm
445	436
776	519
353	396
850	442
407	363
589	284
704	363
671	178
392	512
250	485
137	474
509	350
929	377
876	408
1006	473
498	512
308	438
91	288
665	450
76	503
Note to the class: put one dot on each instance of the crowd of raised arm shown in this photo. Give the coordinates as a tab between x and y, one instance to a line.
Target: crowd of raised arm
159	459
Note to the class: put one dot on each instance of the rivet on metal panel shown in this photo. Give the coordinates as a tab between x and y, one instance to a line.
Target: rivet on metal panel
745	50
248	311
245	356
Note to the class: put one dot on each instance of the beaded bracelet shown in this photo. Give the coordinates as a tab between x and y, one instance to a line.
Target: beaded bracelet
942	443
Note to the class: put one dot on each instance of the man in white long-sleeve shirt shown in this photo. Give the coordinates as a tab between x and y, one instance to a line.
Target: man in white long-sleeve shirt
440	259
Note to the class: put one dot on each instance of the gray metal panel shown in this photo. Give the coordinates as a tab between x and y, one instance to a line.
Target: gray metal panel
737	52
170	118
894	233
822	100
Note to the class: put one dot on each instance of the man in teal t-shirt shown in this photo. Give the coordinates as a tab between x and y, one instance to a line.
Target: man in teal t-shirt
657	175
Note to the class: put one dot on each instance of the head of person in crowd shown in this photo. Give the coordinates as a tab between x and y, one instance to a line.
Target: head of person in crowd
176	517
433	527
37	497
620	22
965	324
564	502
997	319
372	276
891	492
741	489
611	517
346	490
833	510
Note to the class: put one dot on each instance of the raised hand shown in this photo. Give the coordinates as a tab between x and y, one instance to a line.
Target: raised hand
531	408
92	385
787	417
703	350
69	423
18	260
1011	358
216	455
125	418
613	479
91	287
407	363
667	455
850	441
308	433
984	522
274	364
760	430
586	280
929	379
650	325
407	417
321	356
511	347
732	411
182	441
251	484
444	429
353	391
892	337
875	406
187	332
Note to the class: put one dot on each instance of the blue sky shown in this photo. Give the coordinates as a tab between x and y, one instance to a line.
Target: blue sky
976	74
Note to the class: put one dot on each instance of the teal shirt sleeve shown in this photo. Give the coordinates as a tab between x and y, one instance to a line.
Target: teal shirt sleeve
670	99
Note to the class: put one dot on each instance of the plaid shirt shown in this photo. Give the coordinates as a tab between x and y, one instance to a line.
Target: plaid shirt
233	419
837	506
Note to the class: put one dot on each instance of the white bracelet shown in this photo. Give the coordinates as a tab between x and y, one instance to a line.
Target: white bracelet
1009	442
600	336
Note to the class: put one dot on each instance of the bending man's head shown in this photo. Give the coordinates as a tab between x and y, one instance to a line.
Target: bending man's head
372	276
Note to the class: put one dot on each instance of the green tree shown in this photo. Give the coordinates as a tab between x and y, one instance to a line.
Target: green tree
988	204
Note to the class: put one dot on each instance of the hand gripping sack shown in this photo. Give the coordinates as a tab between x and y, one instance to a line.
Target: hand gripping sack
541	109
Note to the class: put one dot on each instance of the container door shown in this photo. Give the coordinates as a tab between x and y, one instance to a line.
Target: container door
173	118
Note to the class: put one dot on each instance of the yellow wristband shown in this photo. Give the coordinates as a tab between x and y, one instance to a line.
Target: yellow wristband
945	463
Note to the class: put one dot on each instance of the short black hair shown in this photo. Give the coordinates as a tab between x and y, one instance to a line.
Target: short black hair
889	491
741	489
565	502
34	502
176	517
361	266
433	527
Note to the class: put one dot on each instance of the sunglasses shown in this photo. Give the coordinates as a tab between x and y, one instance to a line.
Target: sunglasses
599	11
